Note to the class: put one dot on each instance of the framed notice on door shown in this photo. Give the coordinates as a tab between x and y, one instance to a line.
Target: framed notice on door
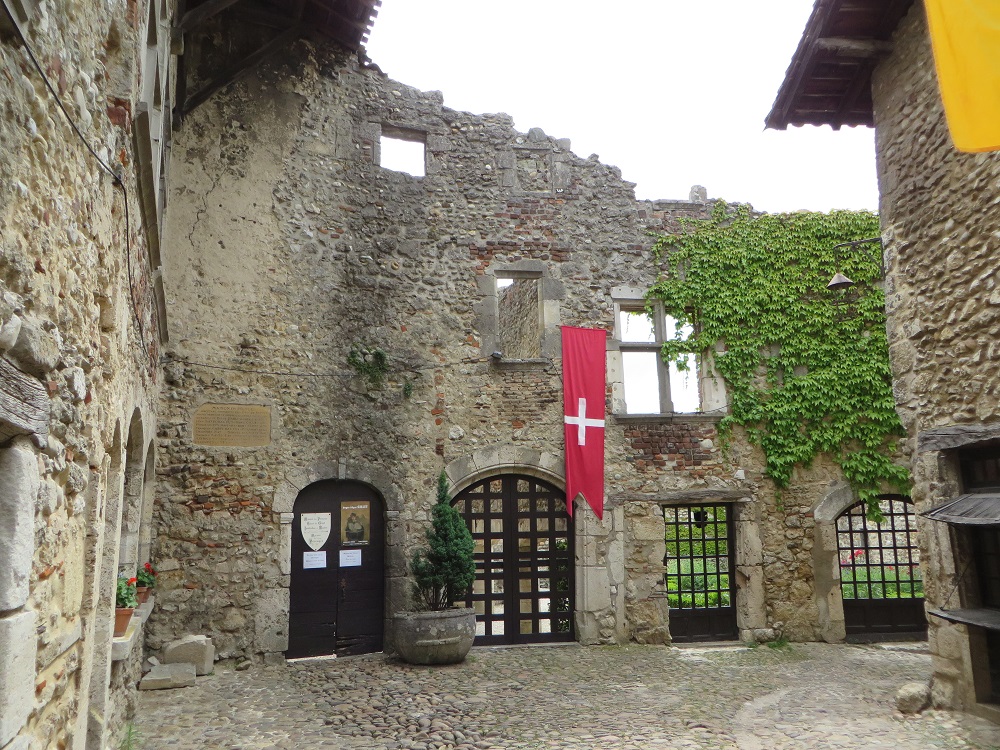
355	523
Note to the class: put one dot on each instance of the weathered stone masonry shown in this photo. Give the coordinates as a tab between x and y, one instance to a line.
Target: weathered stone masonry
939	227
79	344
286	249
291	247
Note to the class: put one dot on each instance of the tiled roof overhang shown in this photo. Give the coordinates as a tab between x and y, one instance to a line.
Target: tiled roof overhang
828	81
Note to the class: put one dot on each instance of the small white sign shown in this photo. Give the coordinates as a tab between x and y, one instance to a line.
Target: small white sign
350	558
316	529
314	560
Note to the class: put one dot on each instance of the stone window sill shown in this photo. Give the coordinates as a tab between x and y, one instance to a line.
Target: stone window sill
538	363
710	418
121	646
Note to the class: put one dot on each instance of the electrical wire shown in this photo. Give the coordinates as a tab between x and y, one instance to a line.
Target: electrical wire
115	176
282	373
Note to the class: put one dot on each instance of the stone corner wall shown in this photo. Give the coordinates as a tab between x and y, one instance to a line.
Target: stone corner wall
78	369
942	308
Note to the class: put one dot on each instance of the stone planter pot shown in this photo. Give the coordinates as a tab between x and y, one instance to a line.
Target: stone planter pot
123	615
435	637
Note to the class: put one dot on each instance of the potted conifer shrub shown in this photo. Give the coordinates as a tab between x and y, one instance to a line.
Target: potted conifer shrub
442	573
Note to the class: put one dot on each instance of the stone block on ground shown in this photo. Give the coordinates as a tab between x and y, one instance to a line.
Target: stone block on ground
167	676
913	697
191	649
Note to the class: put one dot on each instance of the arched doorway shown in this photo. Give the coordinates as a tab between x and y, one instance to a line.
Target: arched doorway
524	587
337	573
880	580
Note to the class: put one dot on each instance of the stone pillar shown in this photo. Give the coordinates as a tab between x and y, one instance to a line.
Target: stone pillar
751	613
19	484
599	616
104	613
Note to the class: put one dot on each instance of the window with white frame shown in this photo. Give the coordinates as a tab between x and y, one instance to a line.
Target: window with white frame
652	386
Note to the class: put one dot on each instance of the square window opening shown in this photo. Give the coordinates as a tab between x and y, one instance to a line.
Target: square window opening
402	151
519	313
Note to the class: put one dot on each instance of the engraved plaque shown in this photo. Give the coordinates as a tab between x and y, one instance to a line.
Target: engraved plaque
235	425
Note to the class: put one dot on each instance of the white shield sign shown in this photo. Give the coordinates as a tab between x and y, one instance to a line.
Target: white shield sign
316	528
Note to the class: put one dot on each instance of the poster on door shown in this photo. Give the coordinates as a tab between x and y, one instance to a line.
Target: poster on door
356	523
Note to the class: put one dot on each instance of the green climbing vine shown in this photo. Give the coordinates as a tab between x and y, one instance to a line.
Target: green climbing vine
371	363
806	368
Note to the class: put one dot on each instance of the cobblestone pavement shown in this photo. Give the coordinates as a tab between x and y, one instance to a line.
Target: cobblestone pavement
618	698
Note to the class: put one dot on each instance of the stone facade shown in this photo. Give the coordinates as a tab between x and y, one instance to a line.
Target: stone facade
940	230
79	348
290	249
287	254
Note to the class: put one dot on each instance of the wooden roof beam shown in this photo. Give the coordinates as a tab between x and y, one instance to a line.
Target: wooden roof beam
203	12
239	68
862	48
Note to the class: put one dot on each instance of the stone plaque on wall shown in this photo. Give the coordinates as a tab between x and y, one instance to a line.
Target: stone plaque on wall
232	425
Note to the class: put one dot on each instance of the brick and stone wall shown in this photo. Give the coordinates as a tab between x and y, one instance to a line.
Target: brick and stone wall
79	345
290	248
940	230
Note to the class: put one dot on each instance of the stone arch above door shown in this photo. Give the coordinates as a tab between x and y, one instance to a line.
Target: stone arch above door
287	488
508	459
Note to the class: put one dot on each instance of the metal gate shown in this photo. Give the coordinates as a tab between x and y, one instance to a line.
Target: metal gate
699	562
523	592
337	581
880	579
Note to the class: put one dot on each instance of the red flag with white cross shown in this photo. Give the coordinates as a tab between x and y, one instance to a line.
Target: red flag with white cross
584	373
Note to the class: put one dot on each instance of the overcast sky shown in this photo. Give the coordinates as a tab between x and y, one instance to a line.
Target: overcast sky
673	92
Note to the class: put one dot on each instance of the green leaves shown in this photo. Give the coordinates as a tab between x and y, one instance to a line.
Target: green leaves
806	368
444	570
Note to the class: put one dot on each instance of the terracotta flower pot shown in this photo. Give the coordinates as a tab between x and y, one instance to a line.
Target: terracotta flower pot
123	615
435	637
142	593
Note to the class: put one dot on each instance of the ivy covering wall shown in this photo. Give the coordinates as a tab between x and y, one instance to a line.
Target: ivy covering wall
806	368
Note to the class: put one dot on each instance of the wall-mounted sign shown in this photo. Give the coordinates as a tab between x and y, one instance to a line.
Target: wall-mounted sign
316	528
350	558
313	560
232	425
356	523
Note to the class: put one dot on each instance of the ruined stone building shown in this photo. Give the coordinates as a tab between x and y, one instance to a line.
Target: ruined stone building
870	63
222	311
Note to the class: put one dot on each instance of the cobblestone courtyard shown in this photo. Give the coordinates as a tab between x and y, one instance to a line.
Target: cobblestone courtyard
628	698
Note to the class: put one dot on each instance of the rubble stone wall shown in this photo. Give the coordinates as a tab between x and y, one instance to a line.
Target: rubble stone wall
940	230
290	248
78	368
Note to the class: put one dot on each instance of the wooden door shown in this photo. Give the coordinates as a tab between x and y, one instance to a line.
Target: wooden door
337	582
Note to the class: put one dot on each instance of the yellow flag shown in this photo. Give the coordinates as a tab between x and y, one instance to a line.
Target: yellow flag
965	35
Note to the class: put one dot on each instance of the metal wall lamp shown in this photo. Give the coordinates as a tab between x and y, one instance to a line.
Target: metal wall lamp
839	280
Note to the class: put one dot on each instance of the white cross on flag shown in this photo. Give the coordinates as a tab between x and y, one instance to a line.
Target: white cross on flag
583	354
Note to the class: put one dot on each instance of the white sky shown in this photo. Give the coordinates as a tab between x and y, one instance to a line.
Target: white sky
673	92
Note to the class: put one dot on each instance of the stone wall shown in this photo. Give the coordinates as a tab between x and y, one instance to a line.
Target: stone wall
290	248
79	344
940	230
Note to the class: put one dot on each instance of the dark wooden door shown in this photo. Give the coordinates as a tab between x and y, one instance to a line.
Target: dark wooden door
337	586
700	567
524	587
880	580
